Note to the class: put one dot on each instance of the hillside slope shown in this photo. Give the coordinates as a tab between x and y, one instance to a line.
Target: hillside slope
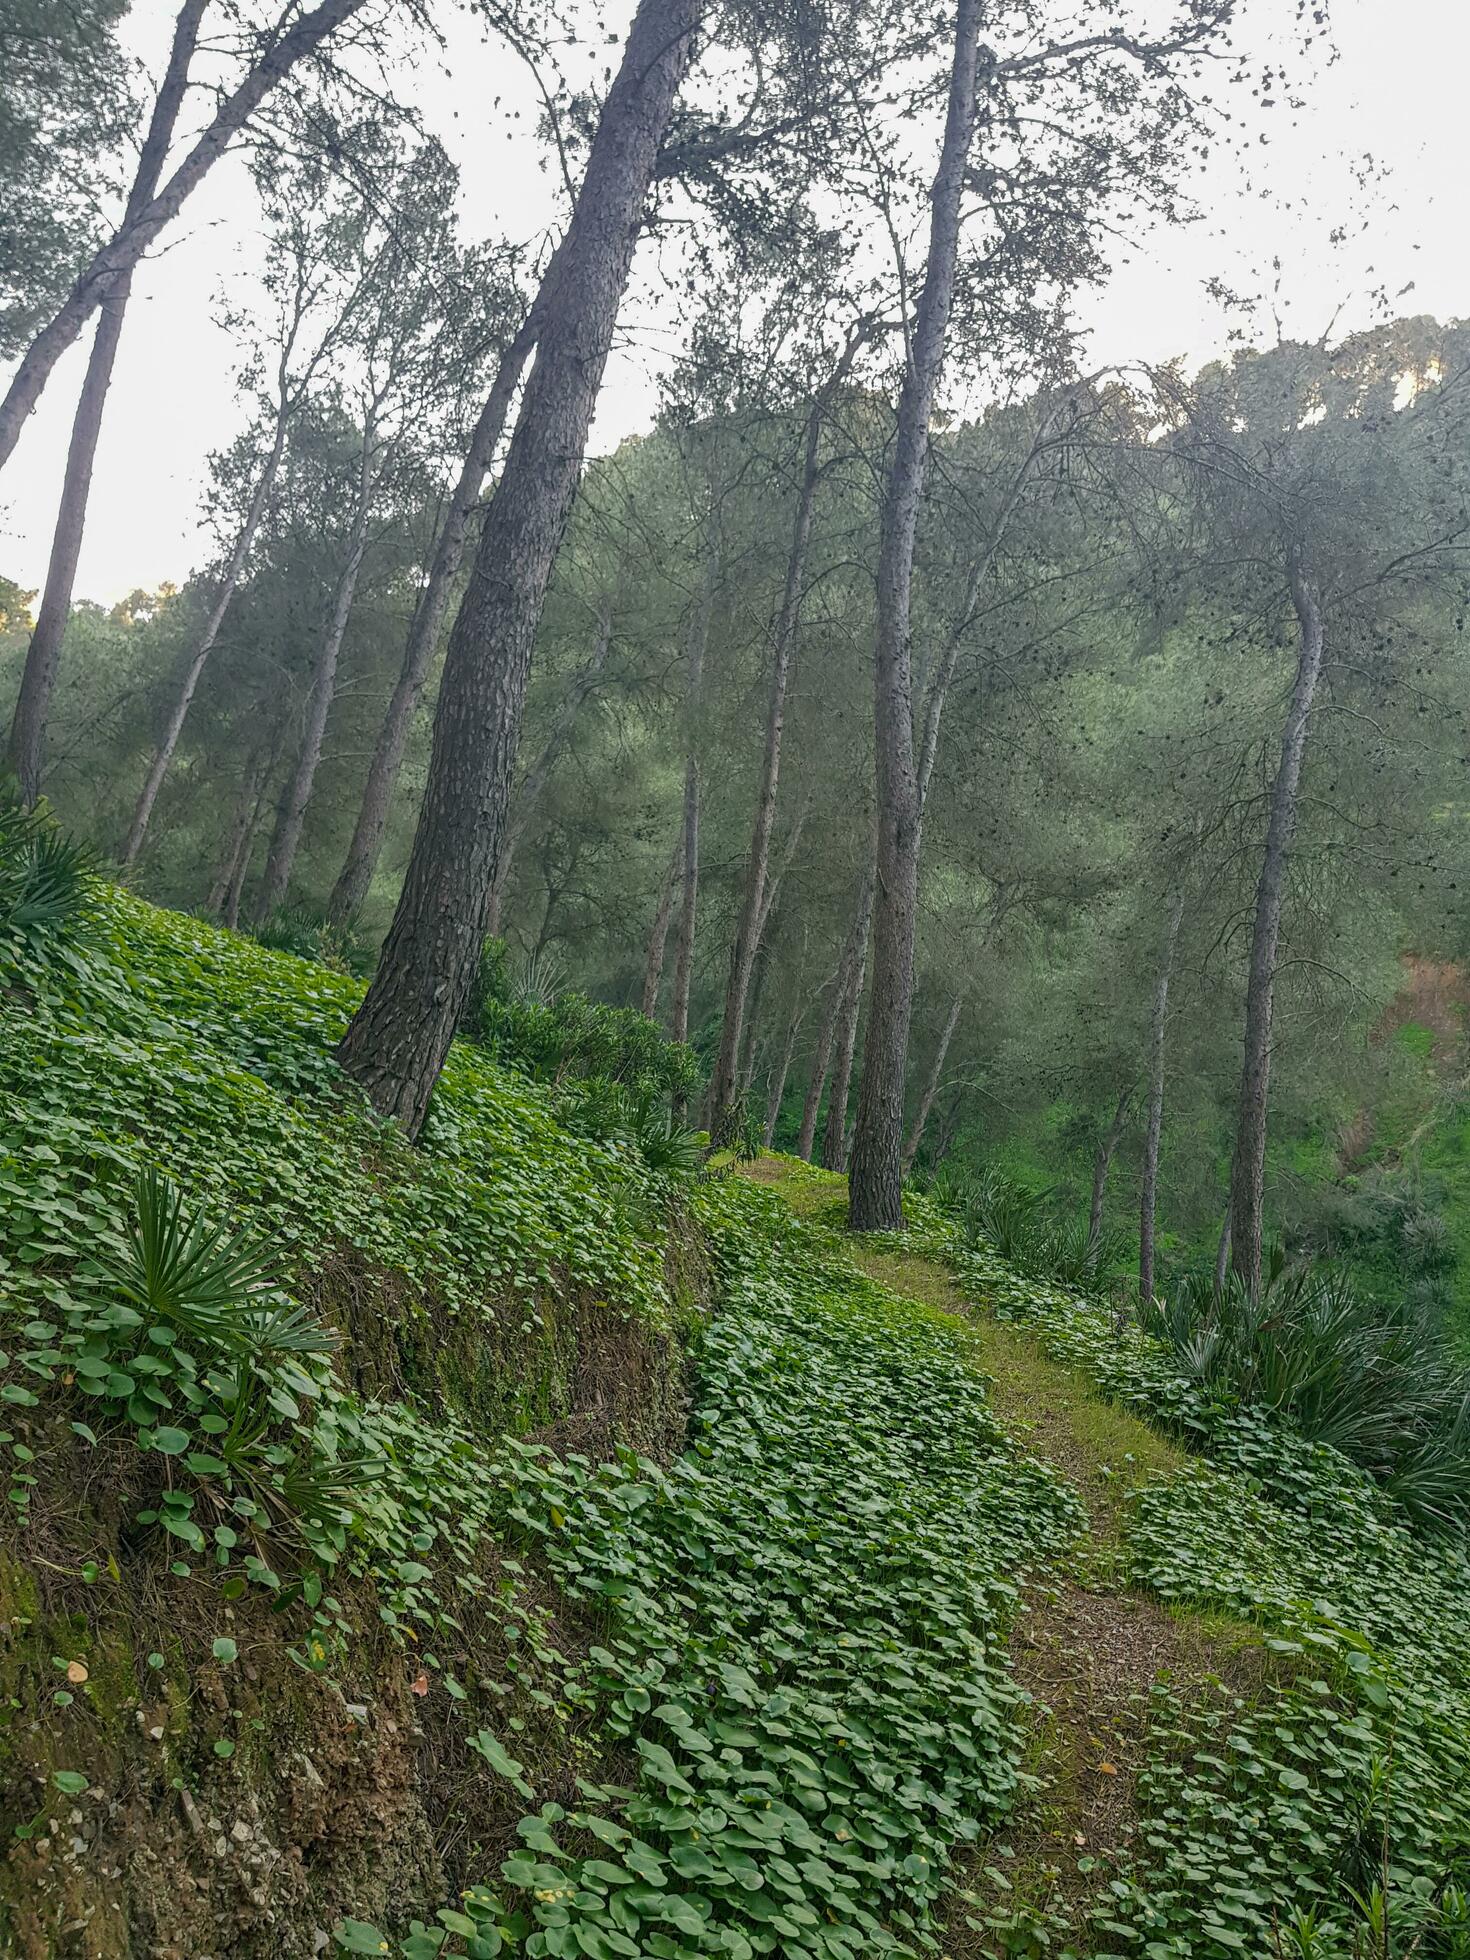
639	1568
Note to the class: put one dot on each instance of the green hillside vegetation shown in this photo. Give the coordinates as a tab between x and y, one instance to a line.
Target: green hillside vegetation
516	1544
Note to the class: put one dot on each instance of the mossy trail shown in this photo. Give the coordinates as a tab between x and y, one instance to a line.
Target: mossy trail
1089	1649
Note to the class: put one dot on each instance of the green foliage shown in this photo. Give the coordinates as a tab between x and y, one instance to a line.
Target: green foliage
1020	1225
805	1625
1372	1379
185	1060
297	929
45	881
525	1022
642	1123
181	1335
1350	1773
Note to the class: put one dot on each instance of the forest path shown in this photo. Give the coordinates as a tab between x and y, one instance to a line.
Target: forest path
1088	1649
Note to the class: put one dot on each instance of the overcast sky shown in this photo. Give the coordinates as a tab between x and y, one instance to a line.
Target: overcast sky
1395	94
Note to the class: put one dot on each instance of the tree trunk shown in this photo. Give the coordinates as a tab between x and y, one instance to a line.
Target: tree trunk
931	1086
876	1184
174	727
689	903
241	828
43	656
287	840
400	1035
835	1139
539	774
821	1060
747	931
854	949
1102	1163
1154	1127
658	936
1222	1252
757	994
117	258
366	847
776	1094
948	1123
1248	1168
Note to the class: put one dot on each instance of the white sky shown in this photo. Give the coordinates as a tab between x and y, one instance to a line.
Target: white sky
1396	93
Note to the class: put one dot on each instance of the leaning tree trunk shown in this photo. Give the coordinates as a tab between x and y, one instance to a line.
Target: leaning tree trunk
854	950
287	840
539	775
752	1028
835	1138
366	847
178	714
400	1035
117	258
776	1093
806	1135
876	1183
689	858
658	934
931	1085
242	867
1248	1166
747	931
1154	1126
241	830
43	656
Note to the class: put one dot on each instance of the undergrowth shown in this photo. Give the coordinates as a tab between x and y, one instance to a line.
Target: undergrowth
788	1705
805	1629
1337	1802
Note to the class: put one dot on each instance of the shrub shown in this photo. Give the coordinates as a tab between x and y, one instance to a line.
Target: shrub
1017	1222
644	1124
524	1022
1374	1379
297	929
45	879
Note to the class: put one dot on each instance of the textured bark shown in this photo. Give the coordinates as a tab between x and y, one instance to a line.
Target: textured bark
43	656
539	774
1248	1166
836	1138
117	258
689	857
752	905
287	839
366	846
876	1183
658	935
397	1042
931	1084
1154	1126
178	714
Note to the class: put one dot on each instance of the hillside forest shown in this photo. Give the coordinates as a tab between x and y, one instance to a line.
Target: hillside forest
735	1157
